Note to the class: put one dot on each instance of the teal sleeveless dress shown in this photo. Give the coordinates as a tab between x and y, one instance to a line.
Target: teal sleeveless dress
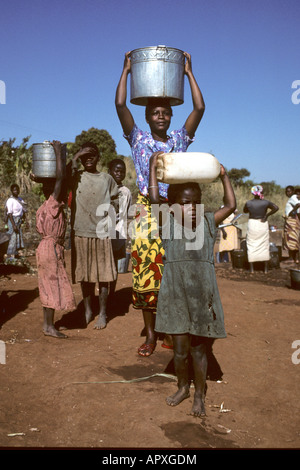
189	300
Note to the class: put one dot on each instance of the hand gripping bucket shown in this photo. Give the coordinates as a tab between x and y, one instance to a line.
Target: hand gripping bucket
44	159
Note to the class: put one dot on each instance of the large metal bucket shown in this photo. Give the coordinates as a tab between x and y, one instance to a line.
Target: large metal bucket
157	72
44	160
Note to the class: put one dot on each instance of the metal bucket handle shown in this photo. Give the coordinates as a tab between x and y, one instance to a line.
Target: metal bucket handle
46	143
162	47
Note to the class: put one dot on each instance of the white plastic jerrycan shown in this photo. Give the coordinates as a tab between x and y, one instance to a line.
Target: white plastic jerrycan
183	167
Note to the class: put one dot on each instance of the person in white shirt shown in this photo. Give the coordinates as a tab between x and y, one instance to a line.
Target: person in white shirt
16	209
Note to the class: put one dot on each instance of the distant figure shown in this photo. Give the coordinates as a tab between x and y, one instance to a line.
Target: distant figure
258	238
291	234
229	240
117	169
16	210
54	286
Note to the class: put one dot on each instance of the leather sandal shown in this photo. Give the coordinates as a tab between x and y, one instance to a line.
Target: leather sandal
146	349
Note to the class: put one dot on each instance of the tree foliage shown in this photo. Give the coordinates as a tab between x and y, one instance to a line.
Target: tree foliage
15	164
16	160
102	139
237	176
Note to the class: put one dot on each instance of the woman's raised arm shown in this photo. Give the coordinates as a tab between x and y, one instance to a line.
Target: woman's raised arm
195	117
124	114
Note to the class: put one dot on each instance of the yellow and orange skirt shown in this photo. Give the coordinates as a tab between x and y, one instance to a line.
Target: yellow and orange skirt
147	257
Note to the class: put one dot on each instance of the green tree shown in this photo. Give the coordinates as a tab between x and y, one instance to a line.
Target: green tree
103	140
15	164
237	176
270	187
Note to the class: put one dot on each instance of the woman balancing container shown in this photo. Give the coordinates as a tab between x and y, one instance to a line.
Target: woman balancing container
183	167
44	160
157	72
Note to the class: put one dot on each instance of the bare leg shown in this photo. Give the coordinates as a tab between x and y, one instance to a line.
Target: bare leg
251	268
168	342
198	353
148	347
181	345
112	288
48	326
266	267
103	296
87	289
111	296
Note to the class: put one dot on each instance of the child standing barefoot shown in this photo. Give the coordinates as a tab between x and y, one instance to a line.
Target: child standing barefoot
54	286
92	255
189	305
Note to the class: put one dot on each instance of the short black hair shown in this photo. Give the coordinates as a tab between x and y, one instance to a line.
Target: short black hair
175	189
157	102
114	162
15	185
92	146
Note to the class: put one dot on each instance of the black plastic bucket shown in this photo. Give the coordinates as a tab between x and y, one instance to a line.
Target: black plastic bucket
295	278
238	258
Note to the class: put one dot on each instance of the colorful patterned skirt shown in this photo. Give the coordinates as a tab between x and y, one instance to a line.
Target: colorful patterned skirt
16	239
147	257
291	234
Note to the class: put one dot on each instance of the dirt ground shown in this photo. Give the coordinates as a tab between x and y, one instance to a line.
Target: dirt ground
83	392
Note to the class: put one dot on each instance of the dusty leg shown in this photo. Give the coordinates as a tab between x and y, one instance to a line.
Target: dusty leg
181	344
103	296
251	268
266	267
87	289
111	296
167	342
198	353
48	326
148	346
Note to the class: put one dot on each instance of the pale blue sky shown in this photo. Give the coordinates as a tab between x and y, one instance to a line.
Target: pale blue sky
61	62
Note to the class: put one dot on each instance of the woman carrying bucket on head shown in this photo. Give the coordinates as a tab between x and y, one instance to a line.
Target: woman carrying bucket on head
147	253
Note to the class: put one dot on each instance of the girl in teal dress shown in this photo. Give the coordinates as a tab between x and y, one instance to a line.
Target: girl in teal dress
189	306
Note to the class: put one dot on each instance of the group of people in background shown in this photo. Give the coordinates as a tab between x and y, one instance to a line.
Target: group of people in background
259	210
175	289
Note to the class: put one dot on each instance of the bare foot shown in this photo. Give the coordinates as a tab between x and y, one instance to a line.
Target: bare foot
198	408
178	397
51	331
101	322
